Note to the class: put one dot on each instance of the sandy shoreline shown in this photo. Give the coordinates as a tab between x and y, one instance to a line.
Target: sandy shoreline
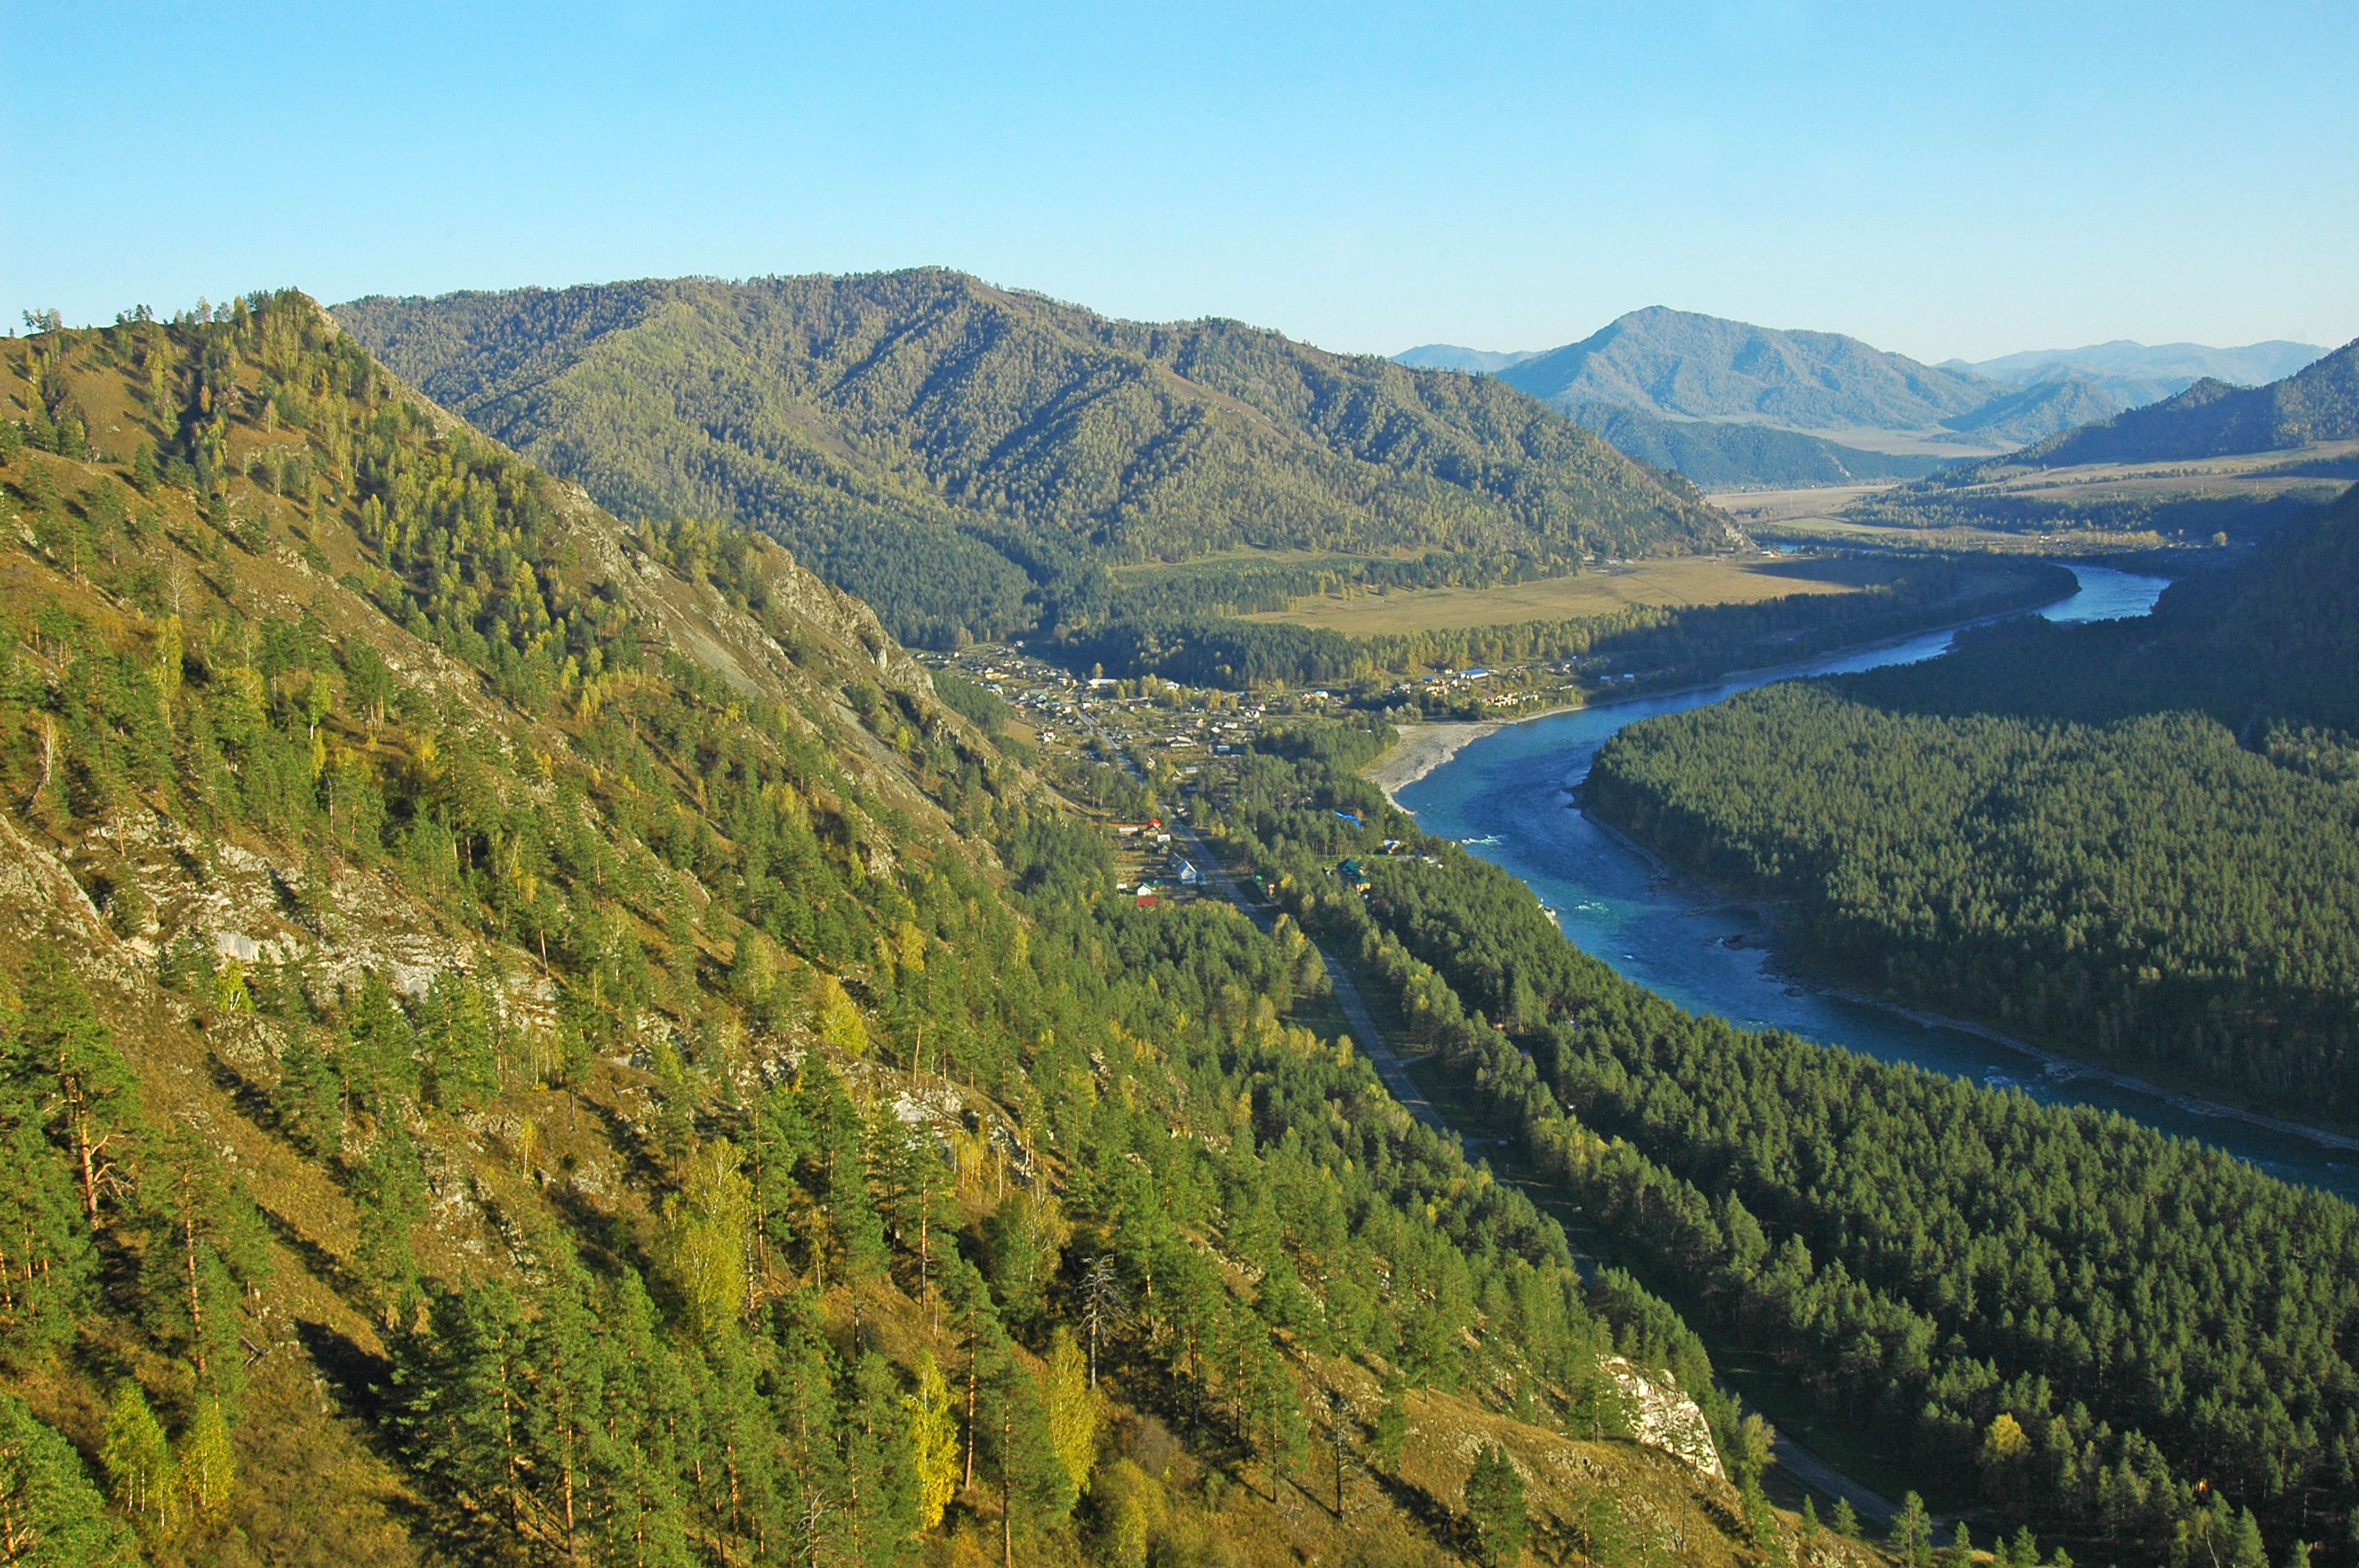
1422	749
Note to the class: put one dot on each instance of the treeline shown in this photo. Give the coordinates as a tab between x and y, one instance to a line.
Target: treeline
1230	587
1662	642
2101	1329
1944	501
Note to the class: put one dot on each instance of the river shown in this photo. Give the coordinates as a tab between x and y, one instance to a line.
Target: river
1508	798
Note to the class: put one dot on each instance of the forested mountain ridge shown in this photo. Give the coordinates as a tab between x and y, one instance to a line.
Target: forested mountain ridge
2133	842
527	1039
2211	418
971	459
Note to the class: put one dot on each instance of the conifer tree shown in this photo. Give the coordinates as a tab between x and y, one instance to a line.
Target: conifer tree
2244	1547
454	1039
50	1515
1495	1505
70	1055
45	1261
390	1193
1911	1540
881	1482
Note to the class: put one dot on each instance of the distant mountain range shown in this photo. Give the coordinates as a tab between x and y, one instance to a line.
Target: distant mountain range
1699	394
2135	374
2210	418
1449	356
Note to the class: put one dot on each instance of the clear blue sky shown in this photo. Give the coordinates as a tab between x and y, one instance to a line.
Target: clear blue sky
1964	181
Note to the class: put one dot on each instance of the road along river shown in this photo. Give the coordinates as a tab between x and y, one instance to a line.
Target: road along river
1508	796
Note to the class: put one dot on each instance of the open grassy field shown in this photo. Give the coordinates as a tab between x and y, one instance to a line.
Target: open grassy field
1687	580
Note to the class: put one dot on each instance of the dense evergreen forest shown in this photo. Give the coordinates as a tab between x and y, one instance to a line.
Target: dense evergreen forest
971	459
2133	842
2090	1329
525	1041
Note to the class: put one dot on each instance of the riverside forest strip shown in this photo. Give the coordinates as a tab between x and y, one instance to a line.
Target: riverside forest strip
2133	845
2117	1337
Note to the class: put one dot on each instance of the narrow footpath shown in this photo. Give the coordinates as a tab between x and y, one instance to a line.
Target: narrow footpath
1791	1457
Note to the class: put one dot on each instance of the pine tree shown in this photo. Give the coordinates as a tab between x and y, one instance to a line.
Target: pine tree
454	1039
1911	1540
1035	1490
882	1487
71	1056
137	1460
635	1474
2244	1548
389	1191
1844	1521
50	1515
1494	1503
45	1262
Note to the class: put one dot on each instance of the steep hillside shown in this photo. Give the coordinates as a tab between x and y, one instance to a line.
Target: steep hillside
1675	363
1716	455
2210	418
525	1039
970	458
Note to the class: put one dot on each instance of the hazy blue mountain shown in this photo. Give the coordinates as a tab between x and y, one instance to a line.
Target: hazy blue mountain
2139	373
2210	418
1449	356
1678	363
1717	455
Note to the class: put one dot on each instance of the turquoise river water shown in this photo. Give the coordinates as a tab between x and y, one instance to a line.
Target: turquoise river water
1509	798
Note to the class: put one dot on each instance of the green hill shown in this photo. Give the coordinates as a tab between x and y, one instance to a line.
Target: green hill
2210	418
970	458
524	1039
